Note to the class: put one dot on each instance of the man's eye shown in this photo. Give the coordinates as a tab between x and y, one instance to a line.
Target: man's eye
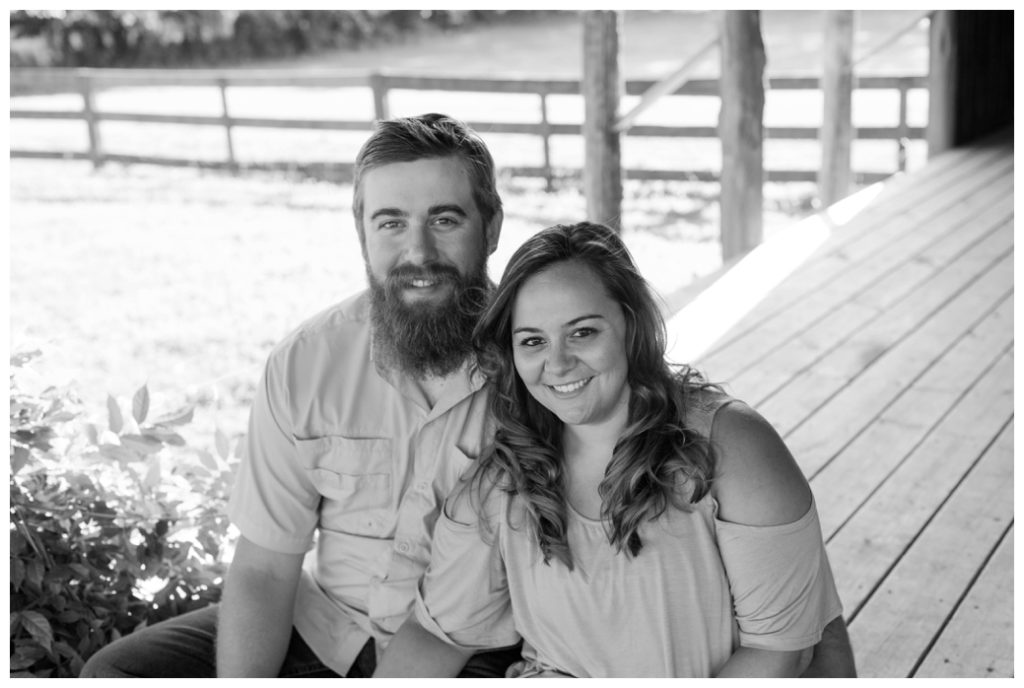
446	221
390	224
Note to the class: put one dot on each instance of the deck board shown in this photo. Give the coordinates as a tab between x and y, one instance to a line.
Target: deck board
886	362
978	641
896	627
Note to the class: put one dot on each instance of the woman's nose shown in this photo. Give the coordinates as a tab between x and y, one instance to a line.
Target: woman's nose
560	360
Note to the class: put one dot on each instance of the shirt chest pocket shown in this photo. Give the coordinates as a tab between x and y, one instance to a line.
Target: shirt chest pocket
353	475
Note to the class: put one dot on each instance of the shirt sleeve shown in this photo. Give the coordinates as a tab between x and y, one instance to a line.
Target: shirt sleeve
781	582
463	598
273	501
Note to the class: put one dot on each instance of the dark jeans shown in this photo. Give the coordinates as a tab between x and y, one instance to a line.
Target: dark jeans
184	646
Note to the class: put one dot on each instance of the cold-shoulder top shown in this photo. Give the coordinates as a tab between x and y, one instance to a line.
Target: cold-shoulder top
699	588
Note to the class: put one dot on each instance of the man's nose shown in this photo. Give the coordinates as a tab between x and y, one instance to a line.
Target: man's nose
419	245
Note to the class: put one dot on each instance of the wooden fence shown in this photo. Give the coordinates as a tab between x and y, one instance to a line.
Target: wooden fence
88	82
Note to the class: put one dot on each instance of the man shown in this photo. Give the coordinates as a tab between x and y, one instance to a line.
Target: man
363	420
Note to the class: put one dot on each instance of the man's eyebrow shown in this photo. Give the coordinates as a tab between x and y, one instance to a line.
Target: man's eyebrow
388	212
448	208
570	323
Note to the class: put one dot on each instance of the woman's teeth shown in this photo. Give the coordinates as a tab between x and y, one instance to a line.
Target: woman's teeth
570	386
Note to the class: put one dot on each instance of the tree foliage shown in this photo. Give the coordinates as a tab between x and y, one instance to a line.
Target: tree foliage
111	529
136	38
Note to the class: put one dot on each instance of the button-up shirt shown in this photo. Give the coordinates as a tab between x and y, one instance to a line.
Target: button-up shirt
349	462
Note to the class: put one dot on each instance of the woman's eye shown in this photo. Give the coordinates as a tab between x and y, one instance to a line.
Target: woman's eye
530	342
584	332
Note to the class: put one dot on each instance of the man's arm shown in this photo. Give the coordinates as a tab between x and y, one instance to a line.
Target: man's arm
833	656
255	622
415	652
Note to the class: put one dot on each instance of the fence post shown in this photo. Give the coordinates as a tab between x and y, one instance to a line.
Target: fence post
741	129
222	84
834	177
601	88
546	140
903	137
91	120
378	84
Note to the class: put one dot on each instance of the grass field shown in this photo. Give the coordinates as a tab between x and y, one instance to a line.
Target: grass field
184	280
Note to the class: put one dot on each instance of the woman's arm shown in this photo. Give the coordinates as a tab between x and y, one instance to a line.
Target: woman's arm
757	483
415	652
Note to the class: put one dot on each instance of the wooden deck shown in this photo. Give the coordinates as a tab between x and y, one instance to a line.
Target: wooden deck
886	362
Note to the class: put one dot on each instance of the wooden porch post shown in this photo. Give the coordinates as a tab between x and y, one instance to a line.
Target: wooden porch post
601	88
740	127
835	175
941	82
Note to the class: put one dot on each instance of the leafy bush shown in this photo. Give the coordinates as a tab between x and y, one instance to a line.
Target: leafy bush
111	529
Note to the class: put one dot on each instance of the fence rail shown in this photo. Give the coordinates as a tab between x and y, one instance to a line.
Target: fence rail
88	82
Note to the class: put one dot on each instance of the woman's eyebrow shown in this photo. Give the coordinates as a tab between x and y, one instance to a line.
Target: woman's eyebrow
571	322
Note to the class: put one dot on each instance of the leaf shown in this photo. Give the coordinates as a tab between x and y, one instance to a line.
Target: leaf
92	434
179	417
206	458
38	627
223	444
35	573
140	404
22	357
164	435
25	656
152	479
17	573
141	444
114	418
20	457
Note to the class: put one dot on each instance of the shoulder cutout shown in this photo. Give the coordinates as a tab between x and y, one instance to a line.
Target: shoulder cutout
757	481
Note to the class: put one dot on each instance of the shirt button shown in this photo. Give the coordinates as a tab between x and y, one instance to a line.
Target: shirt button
424	486
403	547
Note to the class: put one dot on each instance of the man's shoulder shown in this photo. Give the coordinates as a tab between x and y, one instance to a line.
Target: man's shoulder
337	326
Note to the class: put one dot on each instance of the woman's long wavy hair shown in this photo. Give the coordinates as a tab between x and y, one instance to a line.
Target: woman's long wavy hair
657	462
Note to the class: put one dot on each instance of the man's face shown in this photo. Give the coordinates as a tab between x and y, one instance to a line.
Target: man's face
422	227
426	249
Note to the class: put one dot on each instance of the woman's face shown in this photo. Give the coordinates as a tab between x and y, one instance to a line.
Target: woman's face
569	345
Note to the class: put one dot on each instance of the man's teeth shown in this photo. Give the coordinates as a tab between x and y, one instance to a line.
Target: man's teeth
420	283
570	387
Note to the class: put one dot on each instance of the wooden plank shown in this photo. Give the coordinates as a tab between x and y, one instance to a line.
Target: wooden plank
978	640
741	130
866	545
862	466
801	346
931	198
666	86
852	276
897	625
826	407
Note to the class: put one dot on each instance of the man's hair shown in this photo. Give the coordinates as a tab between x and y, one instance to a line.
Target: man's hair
658	462
407	139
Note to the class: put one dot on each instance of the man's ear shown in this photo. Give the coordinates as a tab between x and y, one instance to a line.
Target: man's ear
493	231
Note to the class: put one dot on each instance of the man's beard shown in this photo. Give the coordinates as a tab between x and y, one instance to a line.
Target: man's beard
423	339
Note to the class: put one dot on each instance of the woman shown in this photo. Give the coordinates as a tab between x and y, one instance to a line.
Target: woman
630	518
